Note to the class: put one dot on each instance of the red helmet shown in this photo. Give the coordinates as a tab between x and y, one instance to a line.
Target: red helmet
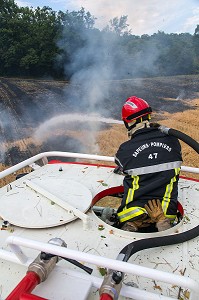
135	108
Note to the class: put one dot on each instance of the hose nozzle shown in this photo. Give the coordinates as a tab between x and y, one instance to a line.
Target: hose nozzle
164	129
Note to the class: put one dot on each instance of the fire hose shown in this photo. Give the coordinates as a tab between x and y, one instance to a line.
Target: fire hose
113	280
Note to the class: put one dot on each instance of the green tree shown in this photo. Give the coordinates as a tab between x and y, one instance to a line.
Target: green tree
76	26
118	26
27	39
176	54
38	42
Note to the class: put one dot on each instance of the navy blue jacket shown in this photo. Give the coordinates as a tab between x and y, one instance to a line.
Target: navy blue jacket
151	161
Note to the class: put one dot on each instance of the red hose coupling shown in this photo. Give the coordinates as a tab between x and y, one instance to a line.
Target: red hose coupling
110	289
106	297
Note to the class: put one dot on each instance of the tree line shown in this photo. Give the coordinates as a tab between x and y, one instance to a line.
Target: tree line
42	42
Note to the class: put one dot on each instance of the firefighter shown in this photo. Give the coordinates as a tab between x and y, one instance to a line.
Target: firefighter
151	162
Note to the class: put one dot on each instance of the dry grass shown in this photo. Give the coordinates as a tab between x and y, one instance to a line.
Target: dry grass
109	140
6	180
186	122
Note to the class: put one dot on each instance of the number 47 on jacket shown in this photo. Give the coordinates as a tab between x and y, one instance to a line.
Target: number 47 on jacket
153	155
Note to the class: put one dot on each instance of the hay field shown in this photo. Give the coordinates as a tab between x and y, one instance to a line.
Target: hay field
186	122
108	140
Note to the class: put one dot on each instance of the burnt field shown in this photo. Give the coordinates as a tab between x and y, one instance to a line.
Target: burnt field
26	104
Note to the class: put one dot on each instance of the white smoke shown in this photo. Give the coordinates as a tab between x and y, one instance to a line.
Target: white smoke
91	68
7	131
181	95
74	122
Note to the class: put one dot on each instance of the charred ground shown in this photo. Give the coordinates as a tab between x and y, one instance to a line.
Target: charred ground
27	103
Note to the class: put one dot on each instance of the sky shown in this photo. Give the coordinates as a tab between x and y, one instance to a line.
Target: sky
144	16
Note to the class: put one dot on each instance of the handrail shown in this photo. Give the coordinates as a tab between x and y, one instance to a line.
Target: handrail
126	291
15	242
44	155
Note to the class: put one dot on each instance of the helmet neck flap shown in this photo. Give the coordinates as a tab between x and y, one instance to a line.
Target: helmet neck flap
137	126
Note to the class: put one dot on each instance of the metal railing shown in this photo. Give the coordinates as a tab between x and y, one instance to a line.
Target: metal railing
16	243
44	157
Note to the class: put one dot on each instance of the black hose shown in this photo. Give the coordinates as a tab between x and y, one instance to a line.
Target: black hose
78	264
148	243
181	136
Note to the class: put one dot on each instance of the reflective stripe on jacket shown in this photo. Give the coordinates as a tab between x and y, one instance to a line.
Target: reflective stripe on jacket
151	161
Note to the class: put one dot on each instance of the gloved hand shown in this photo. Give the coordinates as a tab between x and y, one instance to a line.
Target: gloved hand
155	211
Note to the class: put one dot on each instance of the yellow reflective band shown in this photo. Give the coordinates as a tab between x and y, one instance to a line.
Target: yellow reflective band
171	216
131	191
168	191
129	213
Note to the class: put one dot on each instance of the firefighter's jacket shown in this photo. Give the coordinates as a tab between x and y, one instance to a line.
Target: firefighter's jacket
151	162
